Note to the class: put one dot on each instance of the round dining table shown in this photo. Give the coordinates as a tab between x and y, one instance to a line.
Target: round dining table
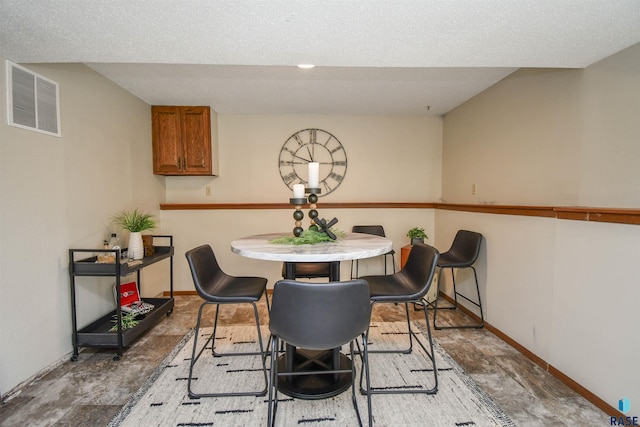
349	246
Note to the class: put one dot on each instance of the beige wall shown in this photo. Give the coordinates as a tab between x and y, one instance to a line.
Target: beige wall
57	193
610	138
566	290
219	228
390	158
551	137
526	128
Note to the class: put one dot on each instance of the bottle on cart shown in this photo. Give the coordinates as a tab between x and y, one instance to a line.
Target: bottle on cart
105	257
114	242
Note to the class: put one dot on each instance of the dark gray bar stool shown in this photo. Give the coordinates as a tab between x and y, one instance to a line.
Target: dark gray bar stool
409	285
463	253
216	287
318	316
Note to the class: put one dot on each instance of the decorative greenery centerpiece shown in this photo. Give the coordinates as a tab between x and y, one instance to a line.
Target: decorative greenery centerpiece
135	221
417	234
308	237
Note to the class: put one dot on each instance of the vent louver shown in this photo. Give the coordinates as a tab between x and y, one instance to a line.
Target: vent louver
32	101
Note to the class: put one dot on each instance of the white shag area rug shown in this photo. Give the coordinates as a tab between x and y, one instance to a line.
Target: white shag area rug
163	400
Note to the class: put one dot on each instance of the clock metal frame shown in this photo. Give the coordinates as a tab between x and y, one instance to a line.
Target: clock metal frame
317	145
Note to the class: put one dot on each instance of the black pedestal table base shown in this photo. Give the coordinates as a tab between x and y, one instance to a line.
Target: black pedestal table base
314	386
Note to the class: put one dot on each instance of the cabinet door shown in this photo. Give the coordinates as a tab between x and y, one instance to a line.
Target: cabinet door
167	140
196	141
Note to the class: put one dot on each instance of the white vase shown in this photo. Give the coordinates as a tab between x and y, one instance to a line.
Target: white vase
136	248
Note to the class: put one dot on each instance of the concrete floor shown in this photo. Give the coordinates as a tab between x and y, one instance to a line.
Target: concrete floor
91	391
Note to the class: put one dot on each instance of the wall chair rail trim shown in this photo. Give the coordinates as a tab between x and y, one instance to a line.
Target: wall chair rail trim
575	213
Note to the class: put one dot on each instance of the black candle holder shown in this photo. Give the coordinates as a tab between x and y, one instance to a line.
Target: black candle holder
313	204
320	224
298	202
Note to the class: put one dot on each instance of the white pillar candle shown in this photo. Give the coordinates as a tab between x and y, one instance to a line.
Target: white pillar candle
314	169
298	191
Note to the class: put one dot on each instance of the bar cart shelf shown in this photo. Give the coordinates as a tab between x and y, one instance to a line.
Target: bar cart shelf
97	333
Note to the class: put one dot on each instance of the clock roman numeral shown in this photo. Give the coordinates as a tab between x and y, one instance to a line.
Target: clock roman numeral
289	178
337	177
312	142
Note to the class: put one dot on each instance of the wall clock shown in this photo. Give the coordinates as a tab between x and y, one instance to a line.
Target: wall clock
313	145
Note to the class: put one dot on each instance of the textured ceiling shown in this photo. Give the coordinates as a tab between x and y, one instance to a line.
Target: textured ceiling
371	57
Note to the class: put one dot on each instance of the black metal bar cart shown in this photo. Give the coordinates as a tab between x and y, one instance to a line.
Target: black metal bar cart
97	333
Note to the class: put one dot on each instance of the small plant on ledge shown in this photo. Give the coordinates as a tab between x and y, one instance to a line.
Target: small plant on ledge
417	234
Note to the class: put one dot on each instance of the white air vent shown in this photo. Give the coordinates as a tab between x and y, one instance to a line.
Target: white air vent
32	101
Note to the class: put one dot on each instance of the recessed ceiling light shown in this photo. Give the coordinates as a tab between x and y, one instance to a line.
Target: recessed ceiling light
306	66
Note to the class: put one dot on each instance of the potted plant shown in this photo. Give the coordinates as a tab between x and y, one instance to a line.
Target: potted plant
417	234
135	222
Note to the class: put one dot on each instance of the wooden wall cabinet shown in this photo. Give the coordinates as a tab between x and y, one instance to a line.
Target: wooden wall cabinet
181	140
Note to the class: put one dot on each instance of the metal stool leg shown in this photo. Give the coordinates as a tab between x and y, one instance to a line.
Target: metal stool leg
194	357
455	305
429	354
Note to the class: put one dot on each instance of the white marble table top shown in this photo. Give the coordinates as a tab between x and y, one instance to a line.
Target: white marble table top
351	246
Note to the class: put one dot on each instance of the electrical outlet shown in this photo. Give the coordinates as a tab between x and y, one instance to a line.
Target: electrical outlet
474	189
207	191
